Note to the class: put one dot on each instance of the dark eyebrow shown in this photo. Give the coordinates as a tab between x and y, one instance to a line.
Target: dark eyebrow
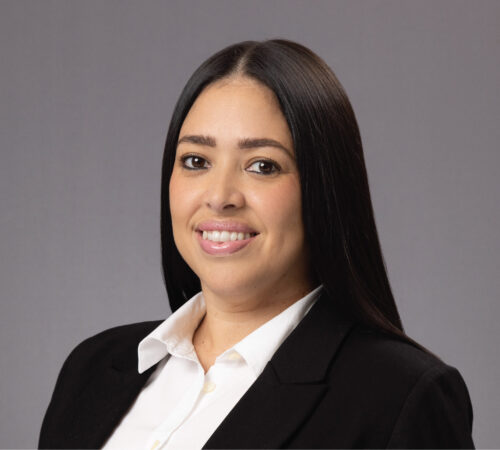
209	141
262	142
246	143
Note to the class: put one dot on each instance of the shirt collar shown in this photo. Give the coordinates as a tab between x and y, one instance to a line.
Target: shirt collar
175	335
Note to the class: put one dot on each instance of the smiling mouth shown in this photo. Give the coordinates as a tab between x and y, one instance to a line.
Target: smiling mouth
224	243
225	236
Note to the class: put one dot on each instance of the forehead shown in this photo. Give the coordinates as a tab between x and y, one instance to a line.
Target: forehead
237	108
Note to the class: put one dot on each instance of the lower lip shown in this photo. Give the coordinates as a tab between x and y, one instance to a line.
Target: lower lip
222	248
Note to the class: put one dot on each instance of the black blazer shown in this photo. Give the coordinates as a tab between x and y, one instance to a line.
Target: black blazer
331	384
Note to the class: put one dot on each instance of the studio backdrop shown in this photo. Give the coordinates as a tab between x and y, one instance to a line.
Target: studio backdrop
86	93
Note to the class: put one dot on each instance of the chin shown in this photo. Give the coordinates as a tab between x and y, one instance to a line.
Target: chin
231	284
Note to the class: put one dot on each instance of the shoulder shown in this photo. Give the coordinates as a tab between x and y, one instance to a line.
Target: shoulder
111	342
87	363
418	397
99	351
387	355
391	365
122	335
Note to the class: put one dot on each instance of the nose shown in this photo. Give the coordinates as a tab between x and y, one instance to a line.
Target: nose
223	192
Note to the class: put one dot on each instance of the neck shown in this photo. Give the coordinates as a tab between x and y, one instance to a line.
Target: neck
228	321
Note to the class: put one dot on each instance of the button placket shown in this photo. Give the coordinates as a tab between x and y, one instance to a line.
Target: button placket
164	431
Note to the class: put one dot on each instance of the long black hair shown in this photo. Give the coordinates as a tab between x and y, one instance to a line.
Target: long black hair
338	217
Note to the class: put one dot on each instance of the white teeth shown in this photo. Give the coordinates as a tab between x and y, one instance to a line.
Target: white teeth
224	236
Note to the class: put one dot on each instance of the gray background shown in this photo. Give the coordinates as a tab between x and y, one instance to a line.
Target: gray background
86	93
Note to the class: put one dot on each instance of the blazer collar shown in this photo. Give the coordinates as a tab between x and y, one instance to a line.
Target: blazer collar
290	386
305	356
270	411
105	400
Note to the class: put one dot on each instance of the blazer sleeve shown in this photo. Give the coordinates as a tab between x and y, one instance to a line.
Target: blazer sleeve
436	414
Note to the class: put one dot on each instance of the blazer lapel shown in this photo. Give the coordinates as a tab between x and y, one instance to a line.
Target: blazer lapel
105	400
290	386
102	406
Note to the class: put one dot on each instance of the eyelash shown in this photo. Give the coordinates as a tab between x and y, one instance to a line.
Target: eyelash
276	167
185	158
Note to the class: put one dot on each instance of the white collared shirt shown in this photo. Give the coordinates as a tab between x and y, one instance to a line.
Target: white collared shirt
180	406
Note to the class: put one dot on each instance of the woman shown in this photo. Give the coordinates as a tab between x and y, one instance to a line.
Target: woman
284	330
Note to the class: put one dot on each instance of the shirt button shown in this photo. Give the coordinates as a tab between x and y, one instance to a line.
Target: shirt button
208	387
234	356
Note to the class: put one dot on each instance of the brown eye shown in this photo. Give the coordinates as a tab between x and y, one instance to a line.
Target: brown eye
264	167
194	162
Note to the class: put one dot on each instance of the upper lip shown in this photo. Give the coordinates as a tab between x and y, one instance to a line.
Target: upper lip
226	225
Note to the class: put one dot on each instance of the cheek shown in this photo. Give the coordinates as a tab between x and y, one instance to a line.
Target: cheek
183	200
280	209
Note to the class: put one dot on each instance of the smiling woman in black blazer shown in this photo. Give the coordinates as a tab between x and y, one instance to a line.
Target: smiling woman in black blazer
284	332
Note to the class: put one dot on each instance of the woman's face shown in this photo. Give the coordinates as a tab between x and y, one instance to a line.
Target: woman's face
235	194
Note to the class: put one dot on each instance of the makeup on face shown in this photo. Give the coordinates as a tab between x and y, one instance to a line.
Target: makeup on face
235	196
224	237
